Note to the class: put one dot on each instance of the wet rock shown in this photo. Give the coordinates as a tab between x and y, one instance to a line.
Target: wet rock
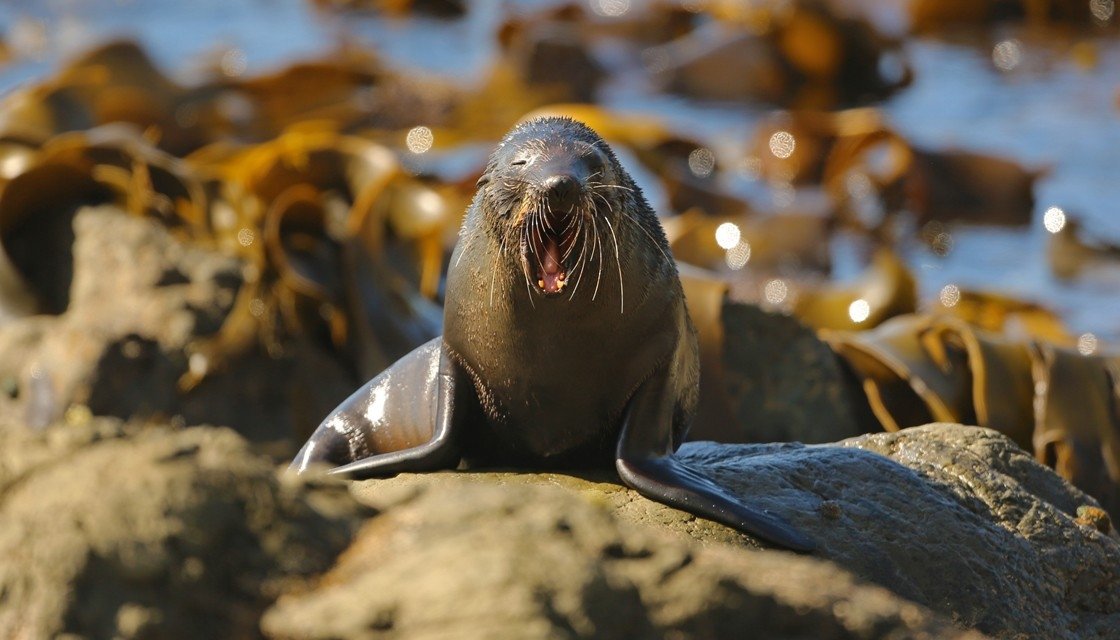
475	556
945	186
807	54
130	532
957	519
140	298
778	383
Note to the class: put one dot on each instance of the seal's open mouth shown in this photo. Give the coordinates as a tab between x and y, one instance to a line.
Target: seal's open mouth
551	237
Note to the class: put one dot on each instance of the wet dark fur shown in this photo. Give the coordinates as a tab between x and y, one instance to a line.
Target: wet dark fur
598	342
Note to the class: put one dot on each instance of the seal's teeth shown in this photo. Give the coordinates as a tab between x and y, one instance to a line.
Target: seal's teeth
540	283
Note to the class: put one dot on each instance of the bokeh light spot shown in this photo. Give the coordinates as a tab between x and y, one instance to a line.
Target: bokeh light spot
14	164
198	364
701	162
1054	219
419	139
727	235
1102	10
782	144
245	236
859	310
775	291
233	63
1007	55
942	244
1087	344
610	8
950	295
738	256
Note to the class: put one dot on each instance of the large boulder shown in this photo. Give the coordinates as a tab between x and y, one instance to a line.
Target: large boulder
127	532
140	300
956	519
486	556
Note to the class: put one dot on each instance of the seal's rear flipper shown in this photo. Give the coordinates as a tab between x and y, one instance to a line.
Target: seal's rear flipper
401	420
667	480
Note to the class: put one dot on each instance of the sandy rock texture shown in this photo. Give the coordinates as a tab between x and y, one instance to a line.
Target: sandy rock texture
486	556
136	304
147	531
956	519
114	531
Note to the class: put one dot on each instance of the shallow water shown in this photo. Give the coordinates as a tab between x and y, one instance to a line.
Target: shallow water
1046	112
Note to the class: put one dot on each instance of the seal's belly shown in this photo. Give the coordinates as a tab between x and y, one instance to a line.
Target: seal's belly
548	421
558	398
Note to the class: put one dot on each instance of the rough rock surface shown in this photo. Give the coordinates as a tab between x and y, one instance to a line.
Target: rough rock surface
476	559
130	532
138	300
955	518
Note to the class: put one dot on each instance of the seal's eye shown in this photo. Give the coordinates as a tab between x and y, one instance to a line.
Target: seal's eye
518	163
594	161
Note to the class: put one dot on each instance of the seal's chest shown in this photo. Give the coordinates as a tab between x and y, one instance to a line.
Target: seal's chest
550	422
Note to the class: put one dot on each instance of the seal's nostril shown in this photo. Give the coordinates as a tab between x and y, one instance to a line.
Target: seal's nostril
563	190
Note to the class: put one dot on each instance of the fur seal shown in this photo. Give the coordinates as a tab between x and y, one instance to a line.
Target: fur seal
567	342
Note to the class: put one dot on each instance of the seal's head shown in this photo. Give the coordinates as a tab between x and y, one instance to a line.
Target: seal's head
550	193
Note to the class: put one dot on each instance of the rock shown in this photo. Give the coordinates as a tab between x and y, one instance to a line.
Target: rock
139	300
777	382
957	519
552	52
477	556
128	532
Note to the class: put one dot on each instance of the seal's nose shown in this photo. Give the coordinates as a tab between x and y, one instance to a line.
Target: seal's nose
563	191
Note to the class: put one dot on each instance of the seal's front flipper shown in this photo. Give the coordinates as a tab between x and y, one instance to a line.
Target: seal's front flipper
401	420
667	480
646	464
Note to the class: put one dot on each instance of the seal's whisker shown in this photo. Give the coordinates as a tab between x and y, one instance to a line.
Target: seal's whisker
605	201
528	289
614	186
599	275
494	265
534	222
618	261
595	224
536	253
546	209
579	261
572	246
464	249
571	220
649	235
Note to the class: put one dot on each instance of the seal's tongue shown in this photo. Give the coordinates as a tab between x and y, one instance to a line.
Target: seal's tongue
550	273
